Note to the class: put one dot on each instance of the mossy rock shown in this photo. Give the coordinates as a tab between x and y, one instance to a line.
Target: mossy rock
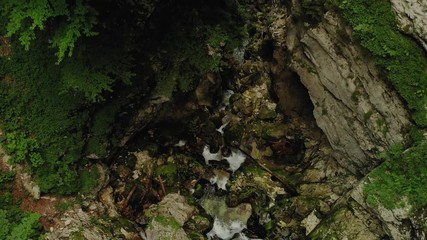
194	235
167	172
266	113
274	132
198	224
234	132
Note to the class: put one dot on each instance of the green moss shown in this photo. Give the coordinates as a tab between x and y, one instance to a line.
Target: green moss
167	172
401	59
88	179
15	223
402	177
196	236
381	124
167	221
355	96
255	170
367	115
267	114
325	230
64	206
273	131
77	236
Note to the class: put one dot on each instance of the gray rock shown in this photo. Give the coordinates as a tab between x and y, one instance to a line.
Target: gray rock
167	218
353	105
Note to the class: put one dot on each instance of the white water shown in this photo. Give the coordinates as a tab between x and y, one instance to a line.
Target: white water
225	231
220	181
209	156
236	159
181	143
221	129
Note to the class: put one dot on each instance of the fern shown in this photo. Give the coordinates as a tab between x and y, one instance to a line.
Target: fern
80	78
25	17
80	22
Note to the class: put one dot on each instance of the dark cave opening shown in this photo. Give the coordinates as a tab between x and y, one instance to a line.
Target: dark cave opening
292	96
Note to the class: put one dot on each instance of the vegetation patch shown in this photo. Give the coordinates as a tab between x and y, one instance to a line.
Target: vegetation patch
402	175
168	172
15	223
167	221
401	59
88	179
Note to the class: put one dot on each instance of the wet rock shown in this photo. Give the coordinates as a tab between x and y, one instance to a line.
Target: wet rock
306	205
123	171
106	198
164	228
259	153
267	112
220	178
259	181
274	132
256	102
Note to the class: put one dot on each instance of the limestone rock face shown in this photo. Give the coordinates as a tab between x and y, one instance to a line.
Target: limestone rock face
353	105
412	18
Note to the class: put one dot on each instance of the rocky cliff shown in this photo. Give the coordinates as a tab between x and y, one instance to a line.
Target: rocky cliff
353	105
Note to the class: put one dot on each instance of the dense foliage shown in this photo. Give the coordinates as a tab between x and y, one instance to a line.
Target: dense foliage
26	17
15	224
75	66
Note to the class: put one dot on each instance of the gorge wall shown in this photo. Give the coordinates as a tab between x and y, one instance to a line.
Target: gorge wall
358	112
